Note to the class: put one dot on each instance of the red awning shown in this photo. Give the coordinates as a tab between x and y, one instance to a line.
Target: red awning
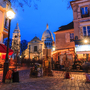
3	49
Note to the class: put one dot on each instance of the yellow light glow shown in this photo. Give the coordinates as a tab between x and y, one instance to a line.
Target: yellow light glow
0	54
10	14
53	48
85	41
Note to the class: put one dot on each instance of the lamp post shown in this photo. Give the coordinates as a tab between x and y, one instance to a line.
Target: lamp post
53	49
29	52
10	15
86	41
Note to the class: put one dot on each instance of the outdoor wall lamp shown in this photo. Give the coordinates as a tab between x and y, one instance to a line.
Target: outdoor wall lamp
53	48
85	41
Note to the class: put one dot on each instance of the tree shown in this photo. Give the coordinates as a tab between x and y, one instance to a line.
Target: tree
10	42
21	3
24	44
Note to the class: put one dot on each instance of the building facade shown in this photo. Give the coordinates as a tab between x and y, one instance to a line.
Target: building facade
4	21
36	46
64	43
34	49
81	19
16	39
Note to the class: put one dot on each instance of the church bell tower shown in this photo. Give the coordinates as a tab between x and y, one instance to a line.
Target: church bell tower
16	40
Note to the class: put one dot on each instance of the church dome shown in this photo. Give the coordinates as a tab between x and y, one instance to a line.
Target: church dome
47	35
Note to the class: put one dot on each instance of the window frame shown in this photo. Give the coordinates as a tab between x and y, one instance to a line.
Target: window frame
71	39
86	30
85	14
35	49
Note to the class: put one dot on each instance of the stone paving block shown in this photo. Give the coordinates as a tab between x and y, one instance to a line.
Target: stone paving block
77	88
68	88
72	88
80	88
88	85
63	88
87	89
48	83
84	85
80	85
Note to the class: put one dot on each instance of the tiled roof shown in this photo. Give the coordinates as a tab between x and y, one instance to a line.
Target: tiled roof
66	27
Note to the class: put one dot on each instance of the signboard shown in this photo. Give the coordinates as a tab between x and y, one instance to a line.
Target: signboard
82	48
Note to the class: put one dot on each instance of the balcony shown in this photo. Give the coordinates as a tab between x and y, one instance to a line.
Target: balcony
85	15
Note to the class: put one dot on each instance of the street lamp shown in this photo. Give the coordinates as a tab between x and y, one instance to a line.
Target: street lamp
29	52
85	41
53	48
10	15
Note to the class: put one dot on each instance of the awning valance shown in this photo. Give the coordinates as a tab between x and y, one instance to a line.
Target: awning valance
3	49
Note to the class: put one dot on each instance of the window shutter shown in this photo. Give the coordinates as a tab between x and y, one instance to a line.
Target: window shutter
67	37
46	51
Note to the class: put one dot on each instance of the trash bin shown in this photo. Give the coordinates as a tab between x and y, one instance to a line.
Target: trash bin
16	76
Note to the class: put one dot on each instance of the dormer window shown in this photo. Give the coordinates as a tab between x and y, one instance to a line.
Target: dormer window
84	12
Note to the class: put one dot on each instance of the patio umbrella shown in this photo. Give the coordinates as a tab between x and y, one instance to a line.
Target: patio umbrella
3	49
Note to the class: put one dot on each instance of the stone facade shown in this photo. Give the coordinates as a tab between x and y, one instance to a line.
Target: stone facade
81	19
81	16
63	40
34	49
4	21
64	43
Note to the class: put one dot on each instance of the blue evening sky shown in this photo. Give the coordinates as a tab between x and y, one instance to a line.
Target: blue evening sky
33	22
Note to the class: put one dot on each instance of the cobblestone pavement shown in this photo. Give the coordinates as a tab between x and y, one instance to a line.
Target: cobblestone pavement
56	82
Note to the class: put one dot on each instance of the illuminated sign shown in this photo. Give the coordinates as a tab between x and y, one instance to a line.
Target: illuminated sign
82	48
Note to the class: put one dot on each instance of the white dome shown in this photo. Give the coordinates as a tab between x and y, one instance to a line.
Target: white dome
47	35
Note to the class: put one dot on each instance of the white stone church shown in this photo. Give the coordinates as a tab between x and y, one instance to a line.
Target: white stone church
35	46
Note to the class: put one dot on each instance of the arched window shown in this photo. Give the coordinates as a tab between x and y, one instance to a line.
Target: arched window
49	44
